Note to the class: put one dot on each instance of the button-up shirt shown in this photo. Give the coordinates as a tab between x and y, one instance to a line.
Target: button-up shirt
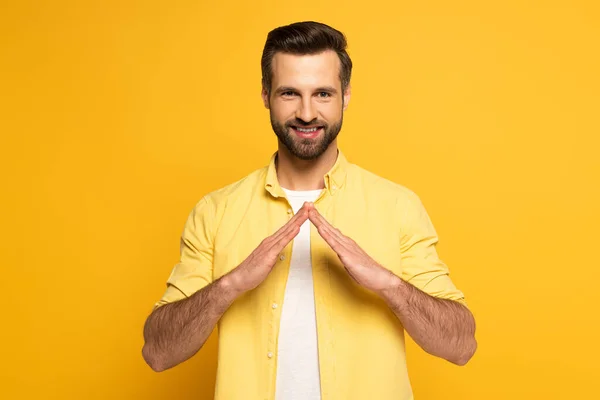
361	346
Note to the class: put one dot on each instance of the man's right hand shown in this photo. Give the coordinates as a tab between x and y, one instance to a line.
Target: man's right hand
256	267
175	332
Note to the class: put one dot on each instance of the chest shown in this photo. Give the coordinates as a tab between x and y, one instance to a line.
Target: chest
245	224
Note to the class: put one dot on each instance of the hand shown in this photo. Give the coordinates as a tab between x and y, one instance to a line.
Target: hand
256	267
361	267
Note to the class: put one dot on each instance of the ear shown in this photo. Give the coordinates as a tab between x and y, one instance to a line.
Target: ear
265	97
347	94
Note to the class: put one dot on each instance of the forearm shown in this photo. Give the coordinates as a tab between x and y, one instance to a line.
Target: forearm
443	328
176	331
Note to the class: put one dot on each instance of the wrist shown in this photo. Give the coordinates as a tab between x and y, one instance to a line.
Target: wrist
228	284
395	292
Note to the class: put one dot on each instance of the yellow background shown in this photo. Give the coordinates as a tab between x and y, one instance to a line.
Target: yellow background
116	117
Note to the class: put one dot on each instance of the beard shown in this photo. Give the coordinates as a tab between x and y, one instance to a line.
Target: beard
306	148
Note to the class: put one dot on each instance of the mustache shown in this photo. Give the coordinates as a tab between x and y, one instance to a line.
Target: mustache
300	123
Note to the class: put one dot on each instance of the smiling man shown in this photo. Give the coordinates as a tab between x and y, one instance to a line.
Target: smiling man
312	267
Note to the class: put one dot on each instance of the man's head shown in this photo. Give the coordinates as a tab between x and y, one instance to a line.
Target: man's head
306	85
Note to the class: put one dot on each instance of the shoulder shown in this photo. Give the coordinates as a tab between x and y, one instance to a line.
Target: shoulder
408	209
240	189
380	186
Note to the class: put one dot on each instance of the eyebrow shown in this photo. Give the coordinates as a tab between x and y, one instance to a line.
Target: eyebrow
284	89
329	89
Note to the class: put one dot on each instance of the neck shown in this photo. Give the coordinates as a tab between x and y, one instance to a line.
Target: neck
296	174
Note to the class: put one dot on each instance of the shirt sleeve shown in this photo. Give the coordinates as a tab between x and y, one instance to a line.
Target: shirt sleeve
195	267
420	263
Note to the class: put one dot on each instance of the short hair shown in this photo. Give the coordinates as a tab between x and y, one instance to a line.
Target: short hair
303	38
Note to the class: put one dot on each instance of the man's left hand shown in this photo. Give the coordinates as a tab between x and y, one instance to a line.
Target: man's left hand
361	267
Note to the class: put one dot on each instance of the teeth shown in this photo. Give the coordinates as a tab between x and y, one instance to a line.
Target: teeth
307	130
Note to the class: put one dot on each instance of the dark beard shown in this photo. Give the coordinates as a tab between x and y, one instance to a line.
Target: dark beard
306	149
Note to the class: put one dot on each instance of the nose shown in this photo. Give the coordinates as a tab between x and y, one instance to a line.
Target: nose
306	111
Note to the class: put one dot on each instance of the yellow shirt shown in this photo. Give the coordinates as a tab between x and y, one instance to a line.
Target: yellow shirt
360	341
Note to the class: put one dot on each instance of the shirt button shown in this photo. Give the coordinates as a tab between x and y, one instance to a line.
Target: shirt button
274	306
282	257
334	187
270	355
289	210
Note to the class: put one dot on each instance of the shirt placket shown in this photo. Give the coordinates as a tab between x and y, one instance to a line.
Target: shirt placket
323	308
275	305
322	290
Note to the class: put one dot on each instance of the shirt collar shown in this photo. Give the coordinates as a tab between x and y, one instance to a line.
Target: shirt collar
334	179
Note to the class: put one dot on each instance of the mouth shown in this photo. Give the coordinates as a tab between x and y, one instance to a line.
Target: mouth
307	132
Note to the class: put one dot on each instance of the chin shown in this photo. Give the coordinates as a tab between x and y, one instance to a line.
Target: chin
307	154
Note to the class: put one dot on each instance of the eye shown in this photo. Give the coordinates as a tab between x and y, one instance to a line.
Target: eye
289	93
323	94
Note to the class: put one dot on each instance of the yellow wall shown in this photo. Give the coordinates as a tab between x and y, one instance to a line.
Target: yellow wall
116	117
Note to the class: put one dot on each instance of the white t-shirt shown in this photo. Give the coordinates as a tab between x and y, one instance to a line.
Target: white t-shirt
297	352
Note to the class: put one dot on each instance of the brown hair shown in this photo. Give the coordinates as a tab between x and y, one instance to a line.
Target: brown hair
305	38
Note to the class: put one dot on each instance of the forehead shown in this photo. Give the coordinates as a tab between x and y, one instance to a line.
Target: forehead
309	70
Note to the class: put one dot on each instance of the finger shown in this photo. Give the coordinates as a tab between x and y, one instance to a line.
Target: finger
300	217
295	222
325	229
313	216
319	218
302	214
321	221
284	240
296	216
335	231
331	240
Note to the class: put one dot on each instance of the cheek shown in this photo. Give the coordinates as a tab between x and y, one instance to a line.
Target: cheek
283	110
331	111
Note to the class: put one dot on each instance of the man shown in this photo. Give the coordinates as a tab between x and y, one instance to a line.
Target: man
312	266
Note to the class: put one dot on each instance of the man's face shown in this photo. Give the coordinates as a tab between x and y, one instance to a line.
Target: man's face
306	102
